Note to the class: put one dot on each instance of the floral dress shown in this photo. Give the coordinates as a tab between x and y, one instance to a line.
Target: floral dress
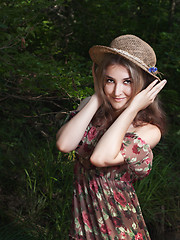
105	205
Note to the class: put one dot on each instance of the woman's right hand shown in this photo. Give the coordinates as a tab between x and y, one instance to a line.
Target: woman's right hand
144	98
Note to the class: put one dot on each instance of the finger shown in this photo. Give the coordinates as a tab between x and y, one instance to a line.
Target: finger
159	86
151	85
154	91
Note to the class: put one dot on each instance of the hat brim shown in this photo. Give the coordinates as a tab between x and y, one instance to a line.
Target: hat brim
97	53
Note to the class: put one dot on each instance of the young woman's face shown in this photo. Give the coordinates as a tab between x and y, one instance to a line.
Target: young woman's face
117	86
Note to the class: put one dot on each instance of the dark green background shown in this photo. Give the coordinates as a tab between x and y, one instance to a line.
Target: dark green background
45	70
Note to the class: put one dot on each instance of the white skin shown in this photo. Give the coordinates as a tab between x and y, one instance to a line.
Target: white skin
118	88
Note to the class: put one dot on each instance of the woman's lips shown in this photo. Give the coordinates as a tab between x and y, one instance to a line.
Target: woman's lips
118	99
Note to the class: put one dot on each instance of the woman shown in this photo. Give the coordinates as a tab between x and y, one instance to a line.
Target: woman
113	133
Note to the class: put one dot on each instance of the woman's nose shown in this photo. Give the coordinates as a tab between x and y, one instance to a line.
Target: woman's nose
118	89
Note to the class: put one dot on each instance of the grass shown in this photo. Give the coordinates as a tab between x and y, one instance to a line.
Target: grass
36	186
159	193
49	189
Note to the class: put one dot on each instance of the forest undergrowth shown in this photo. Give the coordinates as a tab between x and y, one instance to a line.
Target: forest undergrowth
36	182
45	71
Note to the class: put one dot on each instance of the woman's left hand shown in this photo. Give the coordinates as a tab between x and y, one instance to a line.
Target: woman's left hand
144	98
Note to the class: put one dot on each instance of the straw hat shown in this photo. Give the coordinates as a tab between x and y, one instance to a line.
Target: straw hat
130	47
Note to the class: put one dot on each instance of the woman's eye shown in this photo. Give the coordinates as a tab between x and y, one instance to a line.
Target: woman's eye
128	81
109	80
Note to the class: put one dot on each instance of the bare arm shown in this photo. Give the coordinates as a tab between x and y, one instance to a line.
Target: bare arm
107	151
69	136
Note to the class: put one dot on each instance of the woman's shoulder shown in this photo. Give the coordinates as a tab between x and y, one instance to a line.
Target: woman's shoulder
150	133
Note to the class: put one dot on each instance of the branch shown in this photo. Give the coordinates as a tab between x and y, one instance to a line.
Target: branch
39	115
2	99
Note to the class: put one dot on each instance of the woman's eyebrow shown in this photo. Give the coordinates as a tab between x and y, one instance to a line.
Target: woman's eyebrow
109	77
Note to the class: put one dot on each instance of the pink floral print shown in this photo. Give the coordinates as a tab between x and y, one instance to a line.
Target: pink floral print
105	205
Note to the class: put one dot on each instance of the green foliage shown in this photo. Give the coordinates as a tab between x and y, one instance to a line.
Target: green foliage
45	69
15	234
159	205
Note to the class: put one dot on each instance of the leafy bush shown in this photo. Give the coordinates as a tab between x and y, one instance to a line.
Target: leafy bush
45	71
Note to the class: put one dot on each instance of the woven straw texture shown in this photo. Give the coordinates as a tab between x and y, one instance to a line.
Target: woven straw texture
130	47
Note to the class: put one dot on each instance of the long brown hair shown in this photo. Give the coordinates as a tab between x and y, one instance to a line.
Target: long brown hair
140	79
